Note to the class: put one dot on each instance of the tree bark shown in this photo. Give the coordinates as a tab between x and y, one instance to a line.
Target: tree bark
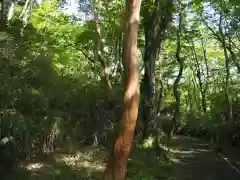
10	11
154	30
233	55
176	93
2	15
99	49
26	12
116	166
205	89
228	99
199	77
161	97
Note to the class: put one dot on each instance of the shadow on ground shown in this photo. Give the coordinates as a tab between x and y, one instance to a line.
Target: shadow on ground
146	164
88	163
189	160
194	160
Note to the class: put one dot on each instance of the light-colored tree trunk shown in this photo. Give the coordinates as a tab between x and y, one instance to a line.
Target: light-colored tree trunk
99	48
10	11
116	167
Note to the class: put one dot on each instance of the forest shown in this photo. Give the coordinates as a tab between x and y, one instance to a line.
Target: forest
115	90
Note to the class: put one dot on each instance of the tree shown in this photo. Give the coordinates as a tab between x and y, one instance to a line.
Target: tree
227	62
26	13
199	77
176	93
100	47
2	14
156	17
116	167
54	85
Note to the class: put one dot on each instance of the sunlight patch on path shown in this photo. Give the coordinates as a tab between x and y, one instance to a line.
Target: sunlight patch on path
80	160
34	166
84	162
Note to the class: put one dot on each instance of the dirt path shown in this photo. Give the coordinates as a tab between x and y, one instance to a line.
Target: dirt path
190	160
194	160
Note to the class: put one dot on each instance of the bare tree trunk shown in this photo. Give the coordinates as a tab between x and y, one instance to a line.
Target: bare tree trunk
228	99
2	14
10	12
24	9
161	97
189	101
154	29
233	56
49	143
149	92
99	48
26	12
194	92
118	55
199	77
116	167
176	93
207	77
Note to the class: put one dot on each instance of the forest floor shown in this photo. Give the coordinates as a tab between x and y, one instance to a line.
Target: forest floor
189	159
194	160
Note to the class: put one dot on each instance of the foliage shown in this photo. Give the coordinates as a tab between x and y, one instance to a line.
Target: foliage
52	82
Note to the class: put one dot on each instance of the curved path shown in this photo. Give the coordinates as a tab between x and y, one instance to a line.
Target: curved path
194	160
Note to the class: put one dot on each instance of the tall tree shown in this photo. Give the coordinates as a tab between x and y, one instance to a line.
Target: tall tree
156	17
116	167
227	65
2	14
205	89
176	93
100	46
199	77
26	12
